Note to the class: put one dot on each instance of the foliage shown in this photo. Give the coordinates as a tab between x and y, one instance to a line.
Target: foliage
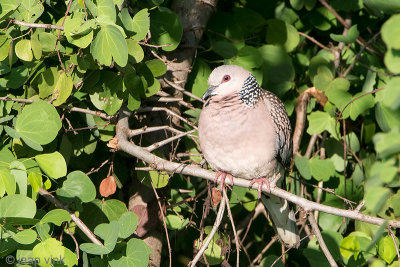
104	58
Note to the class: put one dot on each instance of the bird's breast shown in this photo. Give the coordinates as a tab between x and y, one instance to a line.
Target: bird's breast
239	140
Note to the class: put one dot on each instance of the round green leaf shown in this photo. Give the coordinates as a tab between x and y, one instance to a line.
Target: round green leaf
106	8
23	50
18	170
322	169
110	44
392	60
56	216
17	206
391	94
47	249
36	47
127	224
62	89
137	254
157	67
52	164
47	81
165	28
47	41
7	182
175	222
350	246
140	24
29	124
282	33
135	51
303	165
351	36
77	32
25	237
391	32
78	185
387	249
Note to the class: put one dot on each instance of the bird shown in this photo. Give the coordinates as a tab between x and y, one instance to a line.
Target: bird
245	132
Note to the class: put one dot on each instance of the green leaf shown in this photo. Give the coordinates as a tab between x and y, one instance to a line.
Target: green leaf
175	222
107	9
7	8
351	36
391	32
48	249
225	49
320	121
391	94
47	41
387	248
62	89
25	237
16	78
199	74
375	198
157	67
29	123
359	106
52	164
135	51
109	97
78	185
248	57
23	50
35	180
278	70
349	247
78	32
56	216
127	224
165	28
140	24
109	233
30	10
7	182
17	206
110	44
36	47
336	91
47	81
386	118
137	254
387	144
5	48
322	169
303	166
392	60
18	170
282	33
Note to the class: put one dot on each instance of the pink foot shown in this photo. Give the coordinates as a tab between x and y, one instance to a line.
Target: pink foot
260	181
223	175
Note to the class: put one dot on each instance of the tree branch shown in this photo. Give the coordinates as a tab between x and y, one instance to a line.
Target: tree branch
188	169
49	197
36	25
321	241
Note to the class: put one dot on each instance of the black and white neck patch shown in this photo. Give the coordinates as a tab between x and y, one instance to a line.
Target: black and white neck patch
250	91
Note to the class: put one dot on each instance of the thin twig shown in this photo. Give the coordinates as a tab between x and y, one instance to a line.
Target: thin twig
168	140
321	241
210	236
312	39
164	223
258	258
76	242
49	197
36	25
358	56
396	246
59	34
233	226
183	90
170	112
73	109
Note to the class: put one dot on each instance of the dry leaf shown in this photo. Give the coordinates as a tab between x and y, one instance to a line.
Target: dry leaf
108	186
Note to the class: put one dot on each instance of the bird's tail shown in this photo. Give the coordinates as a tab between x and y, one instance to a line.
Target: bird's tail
283	220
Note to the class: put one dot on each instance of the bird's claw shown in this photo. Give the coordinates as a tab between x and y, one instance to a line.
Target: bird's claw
223	175
260	181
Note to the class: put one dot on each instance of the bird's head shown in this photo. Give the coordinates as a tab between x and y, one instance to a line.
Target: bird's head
228	79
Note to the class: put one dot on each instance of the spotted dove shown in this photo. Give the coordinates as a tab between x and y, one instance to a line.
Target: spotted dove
245	132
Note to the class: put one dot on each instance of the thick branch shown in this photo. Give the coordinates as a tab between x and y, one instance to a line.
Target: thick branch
187	169
37	25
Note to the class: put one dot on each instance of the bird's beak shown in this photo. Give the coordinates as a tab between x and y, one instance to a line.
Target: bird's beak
209	92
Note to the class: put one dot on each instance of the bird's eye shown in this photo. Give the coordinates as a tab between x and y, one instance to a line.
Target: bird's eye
226	78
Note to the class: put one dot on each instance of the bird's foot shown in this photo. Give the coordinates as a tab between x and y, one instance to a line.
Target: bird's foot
223	176
260	181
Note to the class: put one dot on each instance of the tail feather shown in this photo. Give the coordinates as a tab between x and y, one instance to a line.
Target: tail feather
283	219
